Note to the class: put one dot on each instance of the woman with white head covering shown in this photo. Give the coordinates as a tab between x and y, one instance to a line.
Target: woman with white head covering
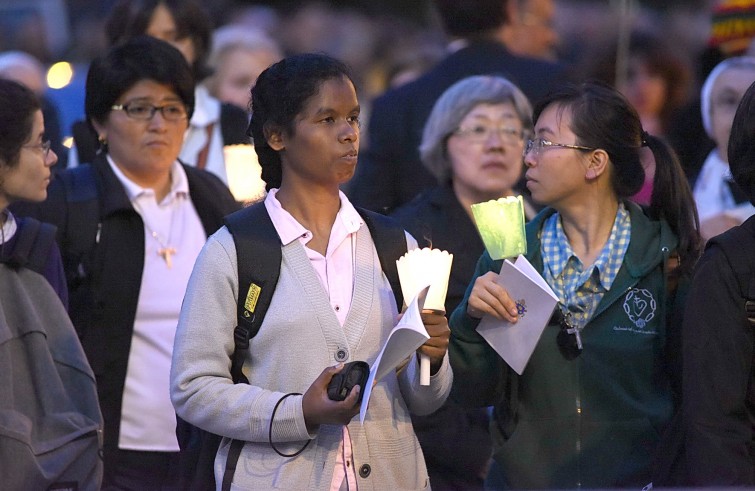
720	203
238	56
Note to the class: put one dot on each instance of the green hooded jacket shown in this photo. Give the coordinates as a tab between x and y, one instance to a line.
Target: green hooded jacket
594	421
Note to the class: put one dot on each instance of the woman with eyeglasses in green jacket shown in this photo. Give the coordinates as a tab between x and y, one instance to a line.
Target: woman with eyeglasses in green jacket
600	388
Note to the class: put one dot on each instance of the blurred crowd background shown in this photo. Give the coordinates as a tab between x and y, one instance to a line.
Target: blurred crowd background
659	54
386	42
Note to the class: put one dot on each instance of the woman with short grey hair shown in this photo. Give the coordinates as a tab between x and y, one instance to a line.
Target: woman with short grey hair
458	102
472	143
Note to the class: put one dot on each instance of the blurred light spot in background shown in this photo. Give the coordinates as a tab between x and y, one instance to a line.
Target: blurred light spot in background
59	75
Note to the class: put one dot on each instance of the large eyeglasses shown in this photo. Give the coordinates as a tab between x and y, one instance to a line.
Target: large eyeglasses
538	144
145	112
569	339
481	133
44	146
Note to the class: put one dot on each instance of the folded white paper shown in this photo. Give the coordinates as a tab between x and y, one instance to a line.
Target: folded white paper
535	302
403	341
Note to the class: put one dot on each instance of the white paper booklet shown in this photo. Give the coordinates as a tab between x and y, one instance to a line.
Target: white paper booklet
408	335
535	301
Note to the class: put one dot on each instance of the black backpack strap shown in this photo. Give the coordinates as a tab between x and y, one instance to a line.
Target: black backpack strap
33	242
738	244
390	241
258	253
749	289
747	283
82	219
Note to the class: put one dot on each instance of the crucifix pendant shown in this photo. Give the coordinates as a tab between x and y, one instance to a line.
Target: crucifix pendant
574	331
166	253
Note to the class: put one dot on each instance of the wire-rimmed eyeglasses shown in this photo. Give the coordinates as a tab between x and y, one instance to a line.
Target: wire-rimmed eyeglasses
481	133
44	146
538	144
568	339
144	112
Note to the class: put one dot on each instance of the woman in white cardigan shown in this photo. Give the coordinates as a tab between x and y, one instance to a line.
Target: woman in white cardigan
332	303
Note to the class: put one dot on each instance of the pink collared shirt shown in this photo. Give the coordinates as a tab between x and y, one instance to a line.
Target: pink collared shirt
336	273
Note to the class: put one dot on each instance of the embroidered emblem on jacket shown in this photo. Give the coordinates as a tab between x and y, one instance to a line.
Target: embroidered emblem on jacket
640	305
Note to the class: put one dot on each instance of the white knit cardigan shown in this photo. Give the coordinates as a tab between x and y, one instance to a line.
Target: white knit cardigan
298	339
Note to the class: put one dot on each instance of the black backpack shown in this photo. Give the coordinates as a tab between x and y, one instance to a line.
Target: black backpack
50	420
255	237
32	245
738	244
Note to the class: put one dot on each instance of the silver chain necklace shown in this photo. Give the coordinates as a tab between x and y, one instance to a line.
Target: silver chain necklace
166	251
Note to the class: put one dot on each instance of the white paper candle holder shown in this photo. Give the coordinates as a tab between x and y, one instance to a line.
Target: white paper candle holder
501	226
417	269
244	173
421	267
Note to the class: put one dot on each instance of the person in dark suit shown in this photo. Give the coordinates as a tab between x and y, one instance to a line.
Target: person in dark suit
390	172
472	143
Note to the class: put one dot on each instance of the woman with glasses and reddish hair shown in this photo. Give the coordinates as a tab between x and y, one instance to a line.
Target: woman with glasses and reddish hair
51	421
603	381
130	226
25	170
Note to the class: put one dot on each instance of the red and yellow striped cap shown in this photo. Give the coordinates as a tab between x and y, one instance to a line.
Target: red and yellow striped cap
732	26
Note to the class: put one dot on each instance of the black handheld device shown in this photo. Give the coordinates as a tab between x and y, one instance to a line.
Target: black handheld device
352	374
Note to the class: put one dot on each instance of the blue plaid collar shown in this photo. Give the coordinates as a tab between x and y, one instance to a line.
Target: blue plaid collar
557	251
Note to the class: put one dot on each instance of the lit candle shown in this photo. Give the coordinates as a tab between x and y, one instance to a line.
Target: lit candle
244	173
417	269
501	226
